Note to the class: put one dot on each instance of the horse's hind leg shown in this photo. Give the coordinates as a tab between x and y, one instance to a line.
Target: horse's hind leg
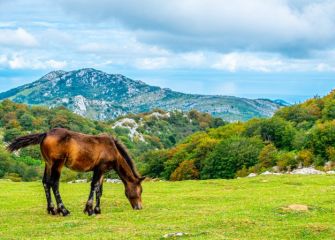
47	185
95	187
55	175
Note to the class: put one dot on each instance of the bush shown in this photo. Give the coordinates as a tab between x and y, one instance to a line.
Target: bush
305	157
185	171
242	172
230	155
153	162
278	131
330	153
287	161
11	134
68	175
321	137
267	157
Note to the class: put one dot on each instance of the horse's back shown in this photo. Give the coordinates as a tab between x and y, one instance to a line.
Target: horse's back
78	151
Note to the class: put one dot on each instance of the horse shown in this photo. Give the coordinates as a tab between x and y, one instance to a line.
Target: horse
81	152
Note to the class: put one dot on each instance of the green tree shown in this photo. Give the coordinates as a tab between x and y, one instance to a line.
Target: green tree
185	171
267	156
230	155
278	131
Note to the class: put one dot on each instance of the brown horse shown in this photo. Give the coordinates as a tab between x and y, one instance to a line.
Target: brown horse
80	152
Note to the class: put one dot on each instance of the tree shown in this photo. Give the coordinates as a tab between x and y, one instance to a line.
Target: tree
153	162
305	157
11	134
230	155
278	131
185	171
267	156
321	136
26	121
287	160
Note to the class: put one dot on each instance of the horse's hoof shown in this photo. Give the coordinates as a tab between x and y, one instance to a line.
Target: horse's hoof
88	210
63	211
52	210
97	210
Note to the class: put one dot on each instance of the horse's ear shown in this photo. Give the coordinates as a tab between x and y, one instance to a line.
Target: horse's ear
142	178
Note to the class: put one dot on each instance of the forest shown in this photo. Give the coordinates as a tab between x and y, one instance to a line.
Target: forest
190	145
296	136
157	133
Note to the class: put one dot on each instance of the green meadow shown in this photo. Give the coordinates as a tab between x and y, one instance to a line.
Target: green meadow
245	208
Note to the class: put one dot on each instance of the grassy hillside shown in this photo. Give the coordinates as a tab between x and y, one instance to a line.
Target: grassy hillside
139	132
298	135
246	208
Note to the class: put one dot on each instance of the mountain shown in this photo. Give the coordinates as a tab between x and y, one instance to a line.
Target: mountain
98	95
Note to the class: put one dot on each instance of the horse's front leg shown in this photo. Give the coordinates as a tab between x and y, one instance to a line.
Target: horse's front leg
55	175
95	187
98	193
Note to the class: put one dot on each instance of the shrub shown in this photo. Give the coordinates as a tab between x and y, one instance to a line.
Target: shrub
185	171
305	157
321	137
330	153
230	155
278	131
242	172
267	157
287	161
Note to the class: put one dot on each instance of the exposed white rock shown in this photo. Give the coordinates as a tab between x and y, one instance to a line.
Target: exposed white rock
64	100
79	105
330	172
111	180
252	175
159	115
267	173
68	82
173	235
307	171
78	181
132	125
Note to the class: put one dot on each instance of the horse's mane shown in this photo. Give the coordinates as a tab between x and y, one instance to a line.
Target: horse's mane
126	156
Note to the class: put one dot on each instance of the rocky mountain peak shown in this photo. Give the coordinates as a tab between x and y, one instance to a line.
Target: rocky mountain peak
99	95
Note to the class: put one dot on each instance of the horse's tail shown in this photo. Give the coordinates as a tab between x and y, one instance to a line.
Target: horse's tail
25	141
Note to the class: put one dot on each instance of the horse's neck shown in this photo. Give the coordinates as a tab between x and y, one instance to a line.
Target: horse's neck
124	171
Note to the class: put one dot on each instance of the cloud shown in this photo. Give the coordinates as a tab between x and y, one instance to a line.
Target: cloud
19	37
151	63
18	61
246	61
265	62
291	28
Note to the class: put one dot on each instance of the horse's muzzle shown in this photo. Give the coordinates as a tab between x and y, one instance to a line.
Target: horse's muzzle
137	207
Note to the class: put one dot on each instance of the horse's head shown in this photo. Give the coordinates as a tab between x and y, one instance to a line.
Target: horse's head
133	192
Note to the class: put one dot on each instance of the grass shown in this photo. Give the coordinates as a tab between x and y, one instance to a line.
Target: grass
248	208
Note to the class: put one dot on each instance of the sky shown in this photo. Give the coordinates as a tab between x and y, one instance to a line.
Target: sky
277	49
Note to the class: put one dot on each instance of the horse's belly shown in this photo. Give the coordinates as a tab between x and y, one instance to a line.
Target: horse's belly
80	165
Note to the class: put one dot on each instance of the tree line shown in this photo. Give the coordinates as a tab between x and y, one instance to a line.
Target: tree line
298	135
20	119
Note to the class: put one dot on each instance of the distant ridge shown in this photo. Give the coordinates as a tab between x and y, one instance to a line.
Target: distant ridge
99	95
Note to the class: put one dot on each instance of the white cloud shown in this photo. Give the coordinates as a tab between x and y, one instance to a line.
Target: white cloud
247	61
55	64
265	62
151	63
18	61
286	26
18	37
